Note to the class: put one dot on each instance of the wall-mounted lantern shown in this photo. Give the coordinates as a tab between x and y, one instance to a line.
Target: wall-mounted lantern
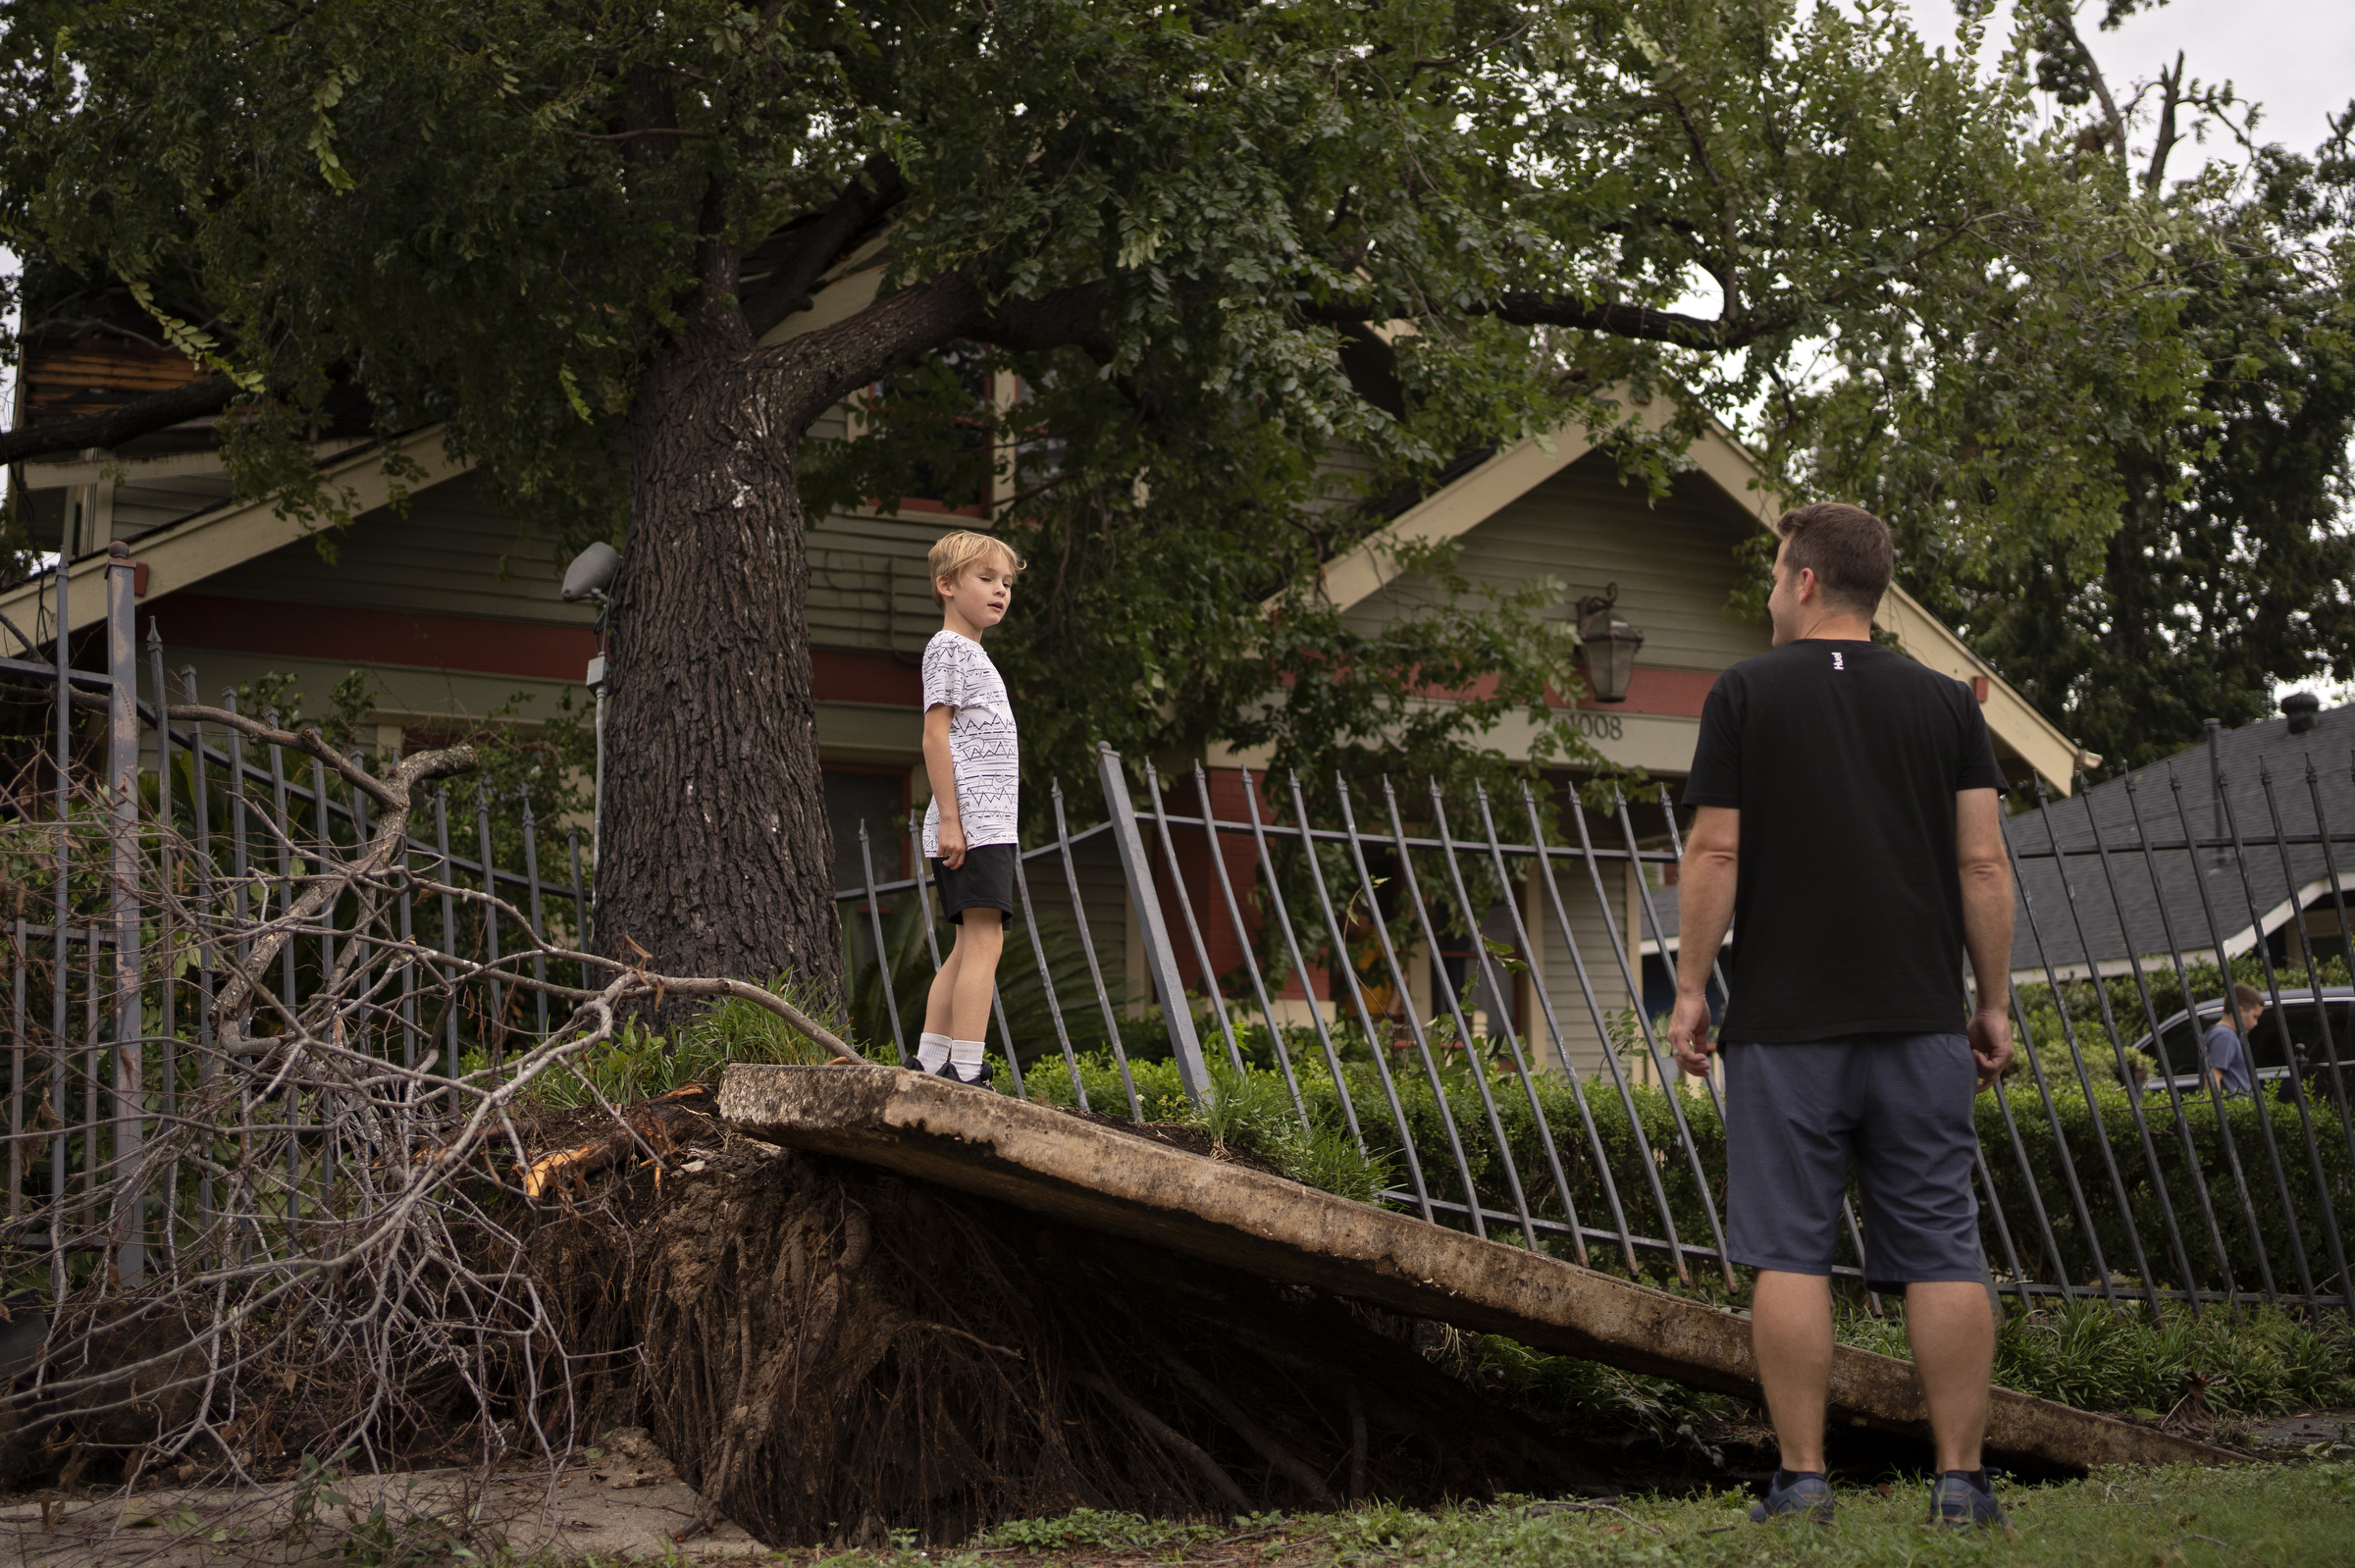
1610	643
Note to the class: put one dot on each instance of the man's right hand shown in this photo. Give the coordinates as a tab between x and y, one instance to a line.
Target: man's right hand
1991	1044
951	843
1688	1035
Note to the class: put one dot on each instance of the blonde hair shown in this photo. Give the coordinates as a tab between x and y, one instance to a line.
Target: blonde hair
951	554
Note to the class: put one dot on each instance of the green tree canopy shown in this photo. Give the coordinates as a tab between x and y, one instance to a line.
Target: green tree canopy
2226	563
1219	242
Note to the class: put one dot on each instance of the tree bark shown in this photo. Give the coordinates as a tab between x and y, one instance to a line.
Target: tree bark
715	855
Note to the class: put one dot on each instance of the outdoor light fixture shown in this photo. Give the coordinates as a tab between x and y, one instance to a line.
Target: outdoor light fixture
1610	644
591	573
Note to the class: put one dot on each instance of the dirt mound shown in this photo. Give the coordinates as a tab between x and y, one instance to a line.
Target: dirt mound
829	1352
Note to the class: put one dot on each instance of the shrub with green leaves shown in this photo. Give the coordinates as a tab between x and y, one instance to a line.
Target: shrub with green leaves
636	1064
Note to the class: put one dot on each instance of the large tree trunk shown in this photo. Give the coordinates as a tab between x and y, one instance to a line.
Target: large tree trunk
715	855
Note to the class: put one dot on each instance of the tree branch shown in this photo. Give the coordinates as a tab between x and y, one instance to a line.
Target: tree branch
1530	309
142	416
2063	15
2170	97
821	240
826	366
1636	321
817	370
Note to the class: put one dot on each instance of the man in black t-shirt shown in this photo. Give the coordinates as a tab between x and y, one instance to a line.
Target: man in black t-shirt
1847	828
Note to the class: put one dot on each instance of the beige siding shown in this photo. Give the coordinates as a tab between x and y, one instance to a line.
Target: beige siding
1673	562
867	584
1582	1044
452	554
140	508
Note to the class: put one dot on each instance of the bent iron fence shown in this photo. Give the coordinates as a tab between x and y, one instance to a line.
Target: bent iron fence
1447	981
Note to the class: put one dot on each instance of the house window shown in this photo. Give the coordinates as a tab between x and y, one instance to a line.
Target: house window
942	408
878	797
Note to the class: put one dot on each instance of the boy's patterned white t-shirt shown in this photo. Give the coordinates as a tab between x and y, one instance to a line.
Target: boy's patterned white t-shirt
983	750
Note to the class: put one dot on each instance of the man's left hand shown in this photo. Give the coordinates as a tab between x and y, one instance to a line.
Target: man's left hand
1688	1035
1991	1045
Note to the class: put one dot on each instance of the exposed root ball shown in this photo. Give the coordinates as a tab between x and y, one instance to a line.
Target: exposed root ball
830	1352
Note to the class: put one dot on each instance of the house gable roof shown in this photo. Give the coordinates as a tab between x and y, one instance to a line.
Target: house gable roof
1473	498
182	553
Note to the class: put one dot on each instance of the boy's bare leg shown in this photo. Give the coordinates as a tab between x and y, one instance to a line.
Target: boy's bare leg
940	1000
1951	1326
980	938
1791	1334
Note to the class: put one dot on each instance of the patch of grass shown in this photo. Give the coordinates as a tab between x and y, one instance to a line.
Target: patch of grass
2288	1515
1252	1114
638	1064
2088	1353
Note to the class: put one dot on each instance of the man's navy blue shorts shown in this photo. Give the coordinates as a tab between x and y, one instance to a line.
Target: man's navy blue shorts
985	881
1898	1106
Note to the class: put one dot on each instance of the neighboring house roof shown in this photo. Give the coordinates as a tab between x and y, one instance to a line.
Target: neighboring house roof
2132	920
2133	923
1479	494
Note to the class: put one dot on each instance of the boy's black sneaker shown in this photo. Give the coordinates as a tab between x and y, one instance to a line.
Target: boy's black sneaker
1802	1493
1965	1499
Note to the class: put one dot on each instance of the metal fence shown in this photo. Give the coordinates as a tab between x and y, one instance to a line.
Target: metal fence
1453	983
2113	1165
194	858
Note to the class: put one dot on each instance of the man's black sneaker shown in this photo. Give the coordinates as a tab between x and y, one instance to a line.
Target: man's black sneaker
1965	1499
1804	1495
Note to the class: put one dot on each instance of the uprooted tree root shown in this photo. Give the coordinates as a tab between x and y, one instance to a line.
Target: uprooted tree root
829	1353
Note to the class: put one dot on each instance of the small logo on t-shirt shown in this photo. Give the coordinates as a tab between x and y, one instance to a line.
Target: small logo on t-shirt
1836	664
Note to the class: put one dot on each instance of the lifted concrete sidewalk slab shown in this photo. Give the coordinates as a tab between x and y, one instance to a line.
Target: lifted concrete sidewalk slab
1086	1173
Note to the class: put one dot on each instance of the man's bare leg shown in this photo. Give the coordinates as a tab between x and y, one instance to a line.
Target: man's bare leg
1791	1334
1951	1326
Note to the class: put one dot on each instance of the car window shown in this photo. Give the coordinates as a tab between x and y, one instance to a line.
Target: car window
2180	1056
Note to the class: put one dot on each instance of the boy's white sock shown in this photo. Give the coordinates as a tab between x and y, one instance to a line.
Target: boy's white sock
967	1054
931	1051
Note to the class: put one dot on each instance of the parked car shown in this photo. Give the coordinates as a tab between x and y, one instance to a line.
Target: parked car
2304	1009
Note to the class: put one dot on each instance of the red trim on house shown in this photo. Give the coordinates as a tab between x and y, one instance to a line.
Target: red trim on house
531	650
1676	693
838	675
340	633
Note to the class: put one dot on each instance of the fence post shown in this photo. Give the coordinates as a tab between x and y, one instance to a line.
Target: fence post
1160	958
122	792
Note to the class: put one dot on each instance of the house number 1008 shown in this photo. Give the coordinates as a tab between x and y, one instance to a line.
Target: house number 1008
1599	726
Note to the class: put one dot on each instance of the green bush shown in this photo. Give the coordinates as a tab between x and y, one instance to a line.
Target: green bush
1588	1197
2084	1127
2097	1357
639	1064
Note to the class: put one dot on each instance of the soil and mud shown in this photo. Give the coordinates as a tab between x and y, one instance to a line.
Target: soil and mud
828	1352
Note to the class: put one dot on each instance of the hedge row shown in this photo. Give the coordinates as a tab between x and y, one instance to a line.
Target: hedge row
2082	1131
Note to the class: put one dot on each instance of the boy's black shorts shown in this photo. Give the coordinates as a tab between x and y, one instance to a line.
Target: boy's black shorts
985	881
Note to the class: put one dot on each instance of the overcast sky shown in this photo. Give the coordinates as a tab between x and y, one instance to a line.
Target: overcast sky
2294	57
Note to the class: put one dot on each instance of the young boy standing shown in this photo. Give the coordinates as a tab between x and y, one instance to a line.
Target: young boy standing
975	768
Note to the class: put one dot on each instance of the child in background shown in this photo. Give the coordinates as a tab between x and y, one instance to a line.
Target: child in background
975	768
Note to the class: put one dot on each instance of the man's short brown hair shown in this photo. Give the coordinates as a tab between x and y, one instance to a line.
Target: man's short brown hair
2247	999
1847	547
